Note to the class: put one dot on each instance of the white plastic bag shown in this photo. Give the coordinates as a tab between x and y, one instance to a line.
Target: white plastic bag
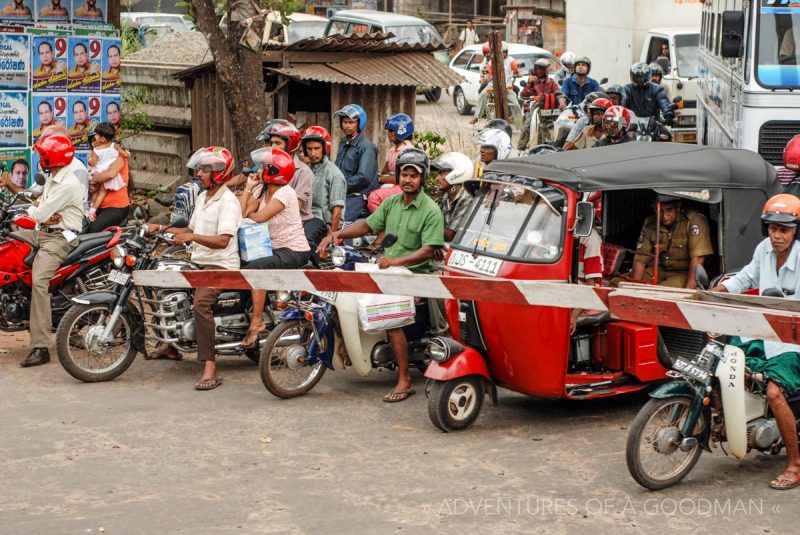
379	312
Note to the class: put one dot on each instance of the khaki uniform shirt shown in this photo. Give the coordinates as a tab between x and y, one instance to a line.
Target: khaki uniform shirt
689	237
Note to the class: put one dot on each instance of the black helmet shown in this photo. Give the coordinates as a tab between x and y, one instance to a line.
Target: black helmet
640	74
498	124
655	68
587	61
591	97
415	158
614	88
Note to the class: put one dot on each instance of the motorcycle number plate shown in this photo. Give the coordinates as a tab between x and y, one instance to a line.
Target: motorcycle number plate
689	369
119	277
327	296
483	265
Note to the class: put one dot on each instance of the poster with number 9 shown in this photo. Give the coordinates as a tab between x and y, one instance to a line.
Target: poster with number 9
47	110
83	114
49	64
85	56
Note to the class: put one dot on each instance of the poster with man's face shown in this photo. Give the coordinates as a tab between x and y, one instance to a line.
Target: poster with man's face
82	115
14	120
49	64
111	80
53	11
89	11
112	113
17	163
16	12
47	110
14	61
85	56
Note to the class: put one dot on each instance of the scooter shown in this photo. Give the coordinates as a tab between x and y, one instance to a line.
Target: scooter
713	399
322	331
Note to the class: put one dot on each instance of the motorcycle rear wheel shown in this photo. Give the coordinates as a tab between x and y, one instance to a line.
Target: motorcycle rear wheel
93	366
644	439
281	368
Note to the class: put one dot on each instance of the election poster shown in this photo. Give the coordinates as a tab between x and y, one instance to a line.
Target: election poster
83	113
47	110
111	113
17	163
84	63
16	12
53	11
14	61
49	64
14	119
89	12
111	83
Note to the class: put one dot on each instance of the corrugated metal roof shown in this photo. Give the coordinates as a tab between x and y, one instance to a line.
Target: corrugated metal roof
412	69
376	42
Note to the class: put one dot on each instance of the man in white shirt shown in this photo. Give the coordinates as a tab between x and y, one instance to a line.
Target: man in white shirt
468	35
59	213
212	230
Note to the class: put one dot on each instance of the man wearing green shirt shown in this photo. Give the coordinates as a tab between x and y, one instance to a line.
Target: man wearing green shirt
419	225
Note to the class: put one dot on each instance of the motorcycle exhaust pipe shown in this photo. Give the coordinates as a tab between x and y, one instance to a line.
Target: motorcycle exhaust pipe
232	346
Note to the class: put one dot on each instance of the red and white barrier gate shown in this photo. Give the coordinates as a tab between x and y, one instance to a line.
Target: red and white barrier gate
757	317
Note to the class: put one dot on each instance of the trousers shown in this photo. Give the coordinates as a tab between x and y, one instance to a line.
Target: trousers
205	327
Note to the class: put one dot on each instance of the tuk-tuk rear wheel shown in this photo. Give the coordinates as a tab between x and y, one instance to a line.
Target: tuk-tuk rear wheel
454	405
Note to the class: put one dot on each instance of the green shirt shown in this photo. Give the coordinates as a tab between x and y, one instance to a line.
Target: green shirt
419	224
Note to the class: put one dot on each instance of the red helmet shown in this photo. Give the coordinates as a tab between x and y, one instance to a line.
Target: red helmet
55	151
791	153
616	120
600	104
486	49
219	159
284	130
319	134
278	165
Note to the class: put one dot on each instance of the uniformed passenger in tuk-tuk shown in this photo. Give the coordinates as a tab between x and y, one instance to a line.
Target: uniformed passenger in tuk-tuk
684	239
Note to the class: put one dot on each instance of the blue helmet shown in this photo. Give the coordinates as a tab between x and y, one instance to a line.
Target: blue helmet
354	111
402	124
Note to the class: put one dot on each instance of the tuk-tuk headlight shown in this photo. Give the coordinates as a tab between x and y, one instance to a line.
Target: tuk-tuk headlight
338	256
283	296
442	349
118	255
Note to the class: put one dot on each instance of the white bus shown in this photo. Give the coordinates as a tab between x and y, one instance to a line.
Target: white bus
749	78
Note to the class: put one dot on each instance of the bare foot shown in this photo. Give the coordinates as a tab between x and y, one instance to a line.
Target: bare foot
252	334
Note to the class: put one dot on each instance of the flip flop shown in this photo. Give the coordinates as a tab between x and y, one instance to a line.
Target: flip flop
208	383
790	476
251	332
396	397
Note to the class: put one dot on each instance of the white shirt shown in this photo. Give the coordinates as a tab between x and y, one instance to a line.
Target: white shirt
79	170
761	273
468	37
219	216
62	195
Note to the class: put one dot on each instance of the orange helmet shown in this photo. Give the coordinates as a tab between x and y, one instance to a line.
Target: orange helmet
782	209
791	154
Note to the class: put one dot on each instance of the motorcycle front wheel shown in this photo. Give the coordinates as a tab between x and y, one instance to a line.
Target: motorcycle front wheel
284	366
454	405
655	459
81	351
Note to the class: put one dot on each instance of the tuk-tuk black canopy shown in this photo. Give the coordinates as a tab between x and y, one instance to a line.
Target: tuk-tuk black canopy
743	179
638	165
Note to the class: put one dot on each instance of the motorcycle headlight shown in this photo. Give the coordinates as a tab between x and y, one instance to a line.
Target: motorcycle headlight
283	296
442	349
118	255
338	256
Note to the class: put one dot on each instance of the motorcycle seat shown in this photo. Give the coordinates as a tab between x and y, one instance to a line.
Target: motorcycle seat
86	242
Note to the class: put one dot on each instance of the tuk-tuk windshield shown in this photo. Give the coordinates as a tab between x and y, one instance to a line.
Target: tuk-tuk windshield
515	223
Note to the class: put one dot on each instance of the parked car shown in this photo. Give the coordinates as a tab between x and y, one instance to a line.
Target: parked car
136	19
467	64
301	26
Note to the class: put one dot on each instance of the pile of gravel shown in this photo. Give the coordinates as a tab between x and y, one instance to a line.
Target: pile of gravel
175	48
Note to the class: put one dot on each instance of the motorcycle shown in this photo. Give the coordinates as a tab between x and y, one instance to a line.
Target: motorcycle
84	269
544	112
322	331
654	128
100	335
713	399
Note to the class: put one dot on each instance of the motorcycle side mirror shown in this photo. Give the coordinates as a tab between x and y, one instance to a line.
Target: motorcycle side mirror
603	81
179	222
389	239
584	219
137	214
677	99
39	179
772	292
701	276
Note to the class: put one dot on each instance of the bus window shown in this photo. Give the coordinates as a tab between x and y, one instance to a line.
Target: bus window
778	35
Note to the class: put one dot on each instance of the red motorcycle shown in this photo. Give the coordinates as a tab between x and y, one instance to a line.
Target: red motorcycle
84	269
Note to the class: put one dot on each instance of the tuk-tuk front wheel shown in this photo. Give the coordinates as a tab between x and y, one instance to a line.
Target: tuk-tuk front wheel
455	404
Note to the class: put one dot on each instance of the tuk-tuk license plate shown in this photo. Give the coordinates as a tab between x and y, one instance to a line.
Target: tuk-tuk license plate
483	265
326	296
689	369
119	277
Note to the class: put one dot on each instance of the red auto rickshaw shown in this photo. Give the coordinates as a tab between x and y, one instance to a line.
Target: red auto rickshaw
525	223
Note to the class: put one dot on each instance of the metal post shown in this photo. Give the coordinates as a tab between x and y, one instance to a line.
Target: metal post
498	76
475	10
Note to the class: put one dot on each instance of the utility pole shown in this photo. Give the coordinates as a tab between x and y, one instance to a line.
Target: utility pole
498	76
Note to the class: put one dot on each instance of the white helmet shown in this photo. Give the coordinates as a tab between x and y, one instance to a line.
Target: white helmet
497	139
504	48
459	165
568	58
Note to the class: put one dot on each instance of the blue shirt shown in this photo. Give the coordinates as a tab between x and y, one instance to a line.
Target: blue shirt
357	159
761	273
575	92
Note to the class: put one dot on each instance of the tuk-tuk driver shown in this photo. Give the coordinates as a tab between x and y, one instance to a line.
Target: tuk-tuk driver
775	264
419	225
684	240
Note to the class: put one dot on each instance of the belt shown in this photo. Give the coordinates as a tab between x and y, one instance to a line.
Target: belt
56	230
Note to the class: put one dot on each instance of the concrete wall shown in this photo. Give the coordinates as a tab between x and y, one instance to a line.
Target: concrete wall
611	32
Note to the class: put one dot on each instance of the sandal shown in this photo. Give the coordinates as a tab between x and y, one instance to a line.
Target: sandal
789	479
252	337
163	353
208	383
396	397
